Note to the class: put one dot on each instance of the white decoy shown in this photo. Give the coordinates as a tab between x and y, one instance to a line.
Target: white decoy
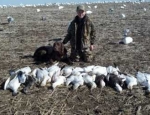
77	80
60	7
95	6
10	19
126	32
38	10
122	7
123	16
89	12
89	79
111	10
144	9
89	7
14	82
143	79
99	70
127	40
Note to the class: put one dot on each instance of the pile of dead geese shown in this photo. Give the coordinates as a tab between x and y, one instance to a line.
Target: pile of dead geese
92	75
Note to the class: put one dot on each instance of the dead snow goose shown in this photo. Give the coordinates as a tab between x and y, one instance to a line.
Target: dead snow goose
88	68
58	79
89	79
76	79
41	75
143	79
129	80
115	82
14	82
67	70
78	69
115	70
99	70
52	69
26	70
99	80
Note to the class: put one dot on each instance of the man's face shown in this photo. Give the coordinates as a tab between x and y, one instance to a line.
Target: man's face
81	13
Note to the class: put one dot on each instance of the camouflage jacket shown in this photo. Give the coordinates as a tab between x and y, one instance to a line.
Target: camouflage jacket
87	35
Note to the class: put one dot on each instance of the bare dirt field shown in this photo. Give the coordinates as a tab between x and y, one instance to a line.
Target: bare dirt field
19	40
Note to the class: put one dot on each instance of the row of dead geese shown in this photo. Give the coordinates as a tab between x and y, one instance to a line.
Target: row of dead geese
92	76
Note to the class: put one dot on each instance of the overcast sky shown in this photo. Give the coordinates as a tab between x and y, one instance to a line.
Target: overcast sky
18	2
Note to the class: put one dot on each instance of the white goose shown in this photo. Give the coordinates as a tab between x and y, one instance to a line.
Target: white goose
115	82
14	82
143	79
88	68
67	70
26	70
129	80
78	69
99	70
52	69
76	78
115	70
89	79
57	79
41	76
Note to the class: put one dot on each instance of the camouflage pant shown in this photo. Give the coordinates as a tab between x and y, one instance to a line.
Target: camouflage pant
85	55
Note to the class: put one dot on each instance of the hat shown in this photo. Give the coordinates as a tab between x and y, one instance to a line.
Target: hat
80	7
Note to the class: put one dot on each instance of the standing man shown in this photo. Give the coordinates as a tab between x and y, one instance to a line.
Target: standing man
81	34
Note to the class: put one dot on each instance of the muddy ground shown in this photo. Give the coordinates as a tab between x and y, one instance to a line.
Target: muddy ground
19	40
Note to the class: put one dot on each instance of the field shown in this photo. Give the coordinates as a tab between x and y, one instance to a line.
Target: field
19	40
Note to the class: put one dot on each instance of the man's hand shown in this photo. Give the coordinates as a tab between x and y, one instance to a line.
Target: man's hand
91	47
